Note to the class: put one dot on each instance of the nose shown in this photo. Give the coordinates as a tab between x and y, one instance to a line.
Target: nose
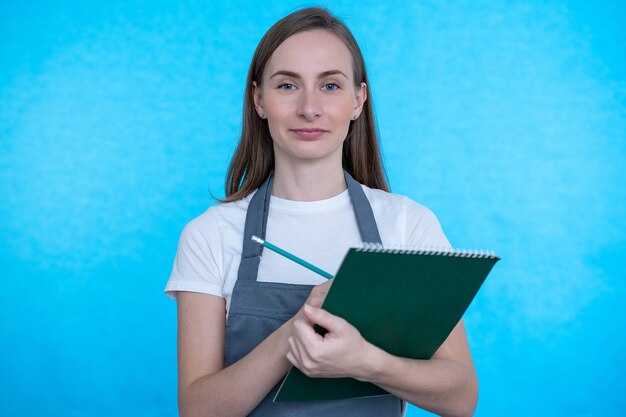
309	106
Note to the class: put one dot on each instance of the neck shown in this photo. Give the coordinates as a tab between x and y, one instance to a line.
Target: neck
308	182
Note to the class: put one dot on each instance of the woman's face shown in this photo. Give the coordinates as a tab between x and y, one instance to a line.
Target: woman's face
309	98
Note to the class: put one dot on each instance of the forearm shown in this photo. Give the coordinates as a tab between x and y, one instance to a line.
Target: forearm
239	388
442	386
446	384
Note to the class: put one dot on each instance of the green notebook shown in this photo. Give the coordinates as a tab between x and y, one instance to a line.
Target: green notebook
404	301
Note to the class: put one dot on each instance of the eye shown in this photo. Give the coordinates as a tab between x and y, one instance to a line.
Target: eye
286	86
330	87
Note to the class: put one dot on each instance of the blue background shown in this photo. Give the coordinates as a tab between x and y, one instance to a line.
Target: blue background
117	121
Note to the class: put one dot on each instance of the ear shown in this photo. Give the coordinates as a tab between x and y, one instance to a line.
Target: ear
258	100
361	98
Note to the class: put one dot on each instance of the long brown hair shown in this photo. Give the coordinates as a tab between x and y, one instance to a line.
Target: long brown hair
254	158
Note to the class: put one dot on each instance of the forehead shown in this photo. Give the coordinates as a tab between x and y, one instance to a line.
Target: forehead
310	53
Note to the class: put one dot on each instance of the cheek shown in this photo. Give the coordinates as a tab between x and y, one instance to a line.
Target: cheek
278	107
342	109
277	116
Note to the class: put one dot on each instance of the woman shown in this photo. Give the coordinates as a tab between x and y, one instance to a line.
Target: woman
308	136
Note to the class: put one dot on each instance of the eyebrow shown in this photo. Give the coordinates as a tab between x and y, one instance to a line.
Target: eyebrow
296	75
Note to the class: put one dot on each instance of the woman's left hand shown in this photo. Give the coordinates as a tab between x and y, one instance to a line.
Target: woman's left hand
339	353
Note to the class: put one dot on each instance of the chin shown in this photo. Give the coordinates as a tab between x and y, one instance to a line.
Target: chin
309	151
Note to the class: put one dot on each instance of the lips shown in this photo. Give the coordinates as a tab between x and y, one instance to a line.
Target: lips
309	133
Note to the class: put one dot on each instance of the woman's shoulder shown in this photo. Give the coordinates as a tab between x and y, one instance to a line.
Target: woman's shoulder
219	216
384	200
403	221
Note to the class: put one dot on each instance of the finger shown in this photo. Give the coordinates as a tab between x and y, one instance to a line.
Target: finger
299	352
305	335
323	318
316	298
294	349
306	357
291	358
299	356
324	287
318	295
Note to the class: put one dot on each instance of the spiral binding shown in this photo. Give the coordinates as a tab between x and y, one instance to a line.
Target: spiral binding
427	250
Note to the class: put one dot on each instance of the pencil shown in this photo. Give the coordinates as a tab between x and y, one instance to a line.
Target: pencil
292	257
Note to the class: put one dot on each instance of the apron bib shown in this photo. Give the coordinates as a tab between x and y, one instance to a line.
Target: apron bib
257	309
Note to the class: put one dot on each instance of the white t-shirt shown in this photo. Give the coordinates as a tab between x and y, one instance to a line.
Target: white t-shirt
321	232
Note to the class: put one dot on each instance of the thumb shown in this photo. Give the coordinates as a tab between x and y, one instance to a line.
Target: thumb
323	318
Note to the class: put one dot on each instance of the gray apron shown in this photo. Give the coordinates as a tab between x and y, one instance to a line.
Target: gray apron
259	308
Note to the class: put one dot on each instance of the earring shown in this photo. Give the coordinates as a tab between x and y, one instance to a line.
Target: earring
262	115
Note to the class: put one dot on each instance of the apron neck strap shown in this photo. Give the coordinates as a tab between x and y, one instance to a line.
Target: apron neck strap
256	218
363	211
258	210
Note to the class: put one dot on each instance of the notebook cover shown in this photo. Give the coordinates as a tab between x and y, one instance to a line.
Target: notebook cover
404	303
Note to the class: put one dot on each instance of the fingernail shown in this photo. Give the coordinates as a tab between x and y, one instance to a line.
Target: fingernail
309	309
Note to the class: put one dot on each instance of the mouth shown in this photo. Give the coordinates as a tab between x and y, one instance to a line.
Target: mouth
309	133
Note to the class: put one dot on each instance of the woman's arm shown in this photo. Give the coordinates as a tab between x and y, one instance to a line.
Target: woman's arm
205	387
446	384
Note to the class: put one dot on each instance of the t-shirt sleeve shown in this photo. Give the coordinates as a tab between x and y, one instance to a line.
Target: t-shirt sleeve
197	263
425	229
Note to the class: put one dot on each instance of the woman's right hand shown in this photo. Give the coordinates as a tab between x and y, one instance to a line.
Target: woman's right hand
316	299
318	294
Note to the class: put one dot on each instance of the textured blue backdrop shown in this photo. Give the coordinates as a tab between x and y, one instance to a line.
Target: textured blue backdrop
117	119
